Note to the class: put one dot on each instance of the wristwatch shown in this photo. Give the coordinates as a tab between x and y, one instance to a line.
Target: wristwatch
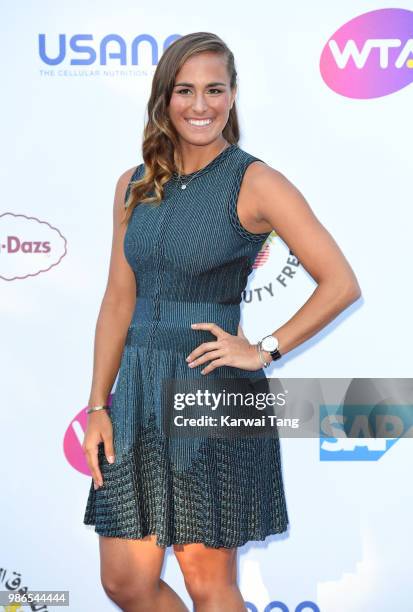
270	344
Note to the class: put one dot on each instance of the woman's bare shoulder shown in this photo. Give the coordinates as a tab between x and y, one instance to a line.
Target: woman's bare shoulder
259	170
260	182
126	176
268	188
122	185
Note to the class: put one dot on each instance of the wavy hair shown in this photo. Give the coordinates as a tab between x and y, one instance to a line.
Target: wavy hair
160	148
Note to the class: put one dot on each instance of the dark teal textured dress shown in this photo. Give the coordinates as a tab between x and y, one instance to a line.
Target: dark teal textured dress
191	259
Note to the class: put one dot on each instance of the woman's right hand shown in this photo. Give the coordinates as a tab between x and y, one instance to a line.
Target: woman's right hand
99	429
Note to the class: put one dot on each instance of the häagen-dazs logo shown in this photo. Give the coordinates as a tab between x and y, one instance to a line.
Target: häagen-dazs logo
28	246
371	55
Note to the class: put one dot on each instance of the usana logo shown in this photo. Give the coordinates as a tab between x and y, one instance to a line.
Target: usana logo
86	50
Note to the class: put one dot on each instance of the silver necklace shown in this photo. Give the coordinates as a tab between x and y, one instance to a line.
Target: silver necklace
184	185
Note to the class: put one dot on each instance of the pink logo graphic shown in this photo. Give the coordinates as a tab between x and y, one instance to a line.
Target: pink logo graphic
262	256
28	246
73	440
264	253
371	55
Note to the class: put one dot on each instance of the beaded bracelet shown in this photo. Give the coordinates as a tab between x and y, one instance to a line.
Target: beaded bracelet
92	409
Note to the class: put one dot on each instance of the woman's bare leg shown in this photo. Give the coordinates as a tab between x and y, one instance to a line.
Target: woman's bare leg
210	576
130	575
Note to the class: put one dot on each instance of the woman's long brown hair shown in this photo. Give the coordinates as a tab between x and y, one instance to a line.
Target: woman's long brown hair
160	148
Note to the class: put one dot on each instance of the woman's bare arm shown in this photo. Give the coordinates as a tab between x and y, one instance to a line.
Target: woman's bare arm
277	204
117	306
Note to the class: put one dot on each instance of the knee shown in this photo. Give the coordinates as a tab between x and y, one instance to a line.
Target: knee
197	585
124	591
203	587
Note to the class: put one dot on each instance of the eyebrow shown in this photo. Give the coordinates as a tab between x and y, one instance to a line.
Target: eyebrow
191	84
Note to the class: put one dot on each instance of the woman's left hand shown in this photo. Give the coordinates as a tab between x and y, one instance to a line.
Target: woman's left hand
229	350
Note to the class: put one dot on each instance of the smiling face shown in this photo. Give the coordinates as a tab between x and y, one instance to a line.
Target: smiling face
201	99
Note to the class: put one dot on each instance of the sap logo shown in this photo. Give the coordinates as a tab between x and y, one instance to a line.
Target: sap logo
342	449
356	64
357	433
279	605
119	49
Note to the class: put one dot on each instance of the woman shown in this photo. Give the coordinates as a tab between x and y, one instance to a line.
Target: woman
198	210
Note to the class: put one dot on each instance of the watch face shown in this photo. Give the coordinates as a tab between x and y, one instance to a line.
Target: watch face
269	343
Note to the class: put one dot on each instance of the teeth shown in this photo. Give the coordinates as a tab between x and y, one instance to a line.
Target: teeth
199	121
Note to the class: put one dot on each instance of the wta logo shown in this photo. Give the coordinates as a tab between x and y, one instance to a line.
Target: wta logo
371	55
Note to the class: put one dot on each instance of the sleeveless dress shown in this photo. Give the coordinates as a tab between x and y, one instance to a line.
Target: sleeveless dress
191	258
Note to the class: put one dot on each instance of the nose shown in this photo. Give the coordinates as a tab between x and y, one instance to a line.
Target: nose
199	103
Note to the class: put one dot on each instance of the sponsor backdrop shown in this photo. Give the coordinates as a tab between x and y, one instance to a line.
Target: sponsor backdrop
325	96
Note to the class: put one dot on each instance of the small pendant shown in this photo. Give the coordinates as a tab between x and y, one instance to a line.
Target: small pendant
183	186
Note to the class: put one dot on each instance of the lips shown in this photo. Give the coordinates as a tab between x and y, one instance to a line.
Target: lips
204	123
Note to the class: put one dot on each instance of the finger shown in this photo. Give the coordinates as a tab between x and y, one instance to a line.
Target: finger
207	357
93	463
109	450
205	346
212	327
214	364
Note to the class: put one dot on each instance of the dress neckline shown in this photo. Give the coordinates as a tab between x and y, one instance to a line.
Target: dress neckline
210	164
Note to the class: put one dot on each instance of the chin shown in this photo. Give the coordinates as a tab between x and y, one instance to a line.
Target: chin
199	139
